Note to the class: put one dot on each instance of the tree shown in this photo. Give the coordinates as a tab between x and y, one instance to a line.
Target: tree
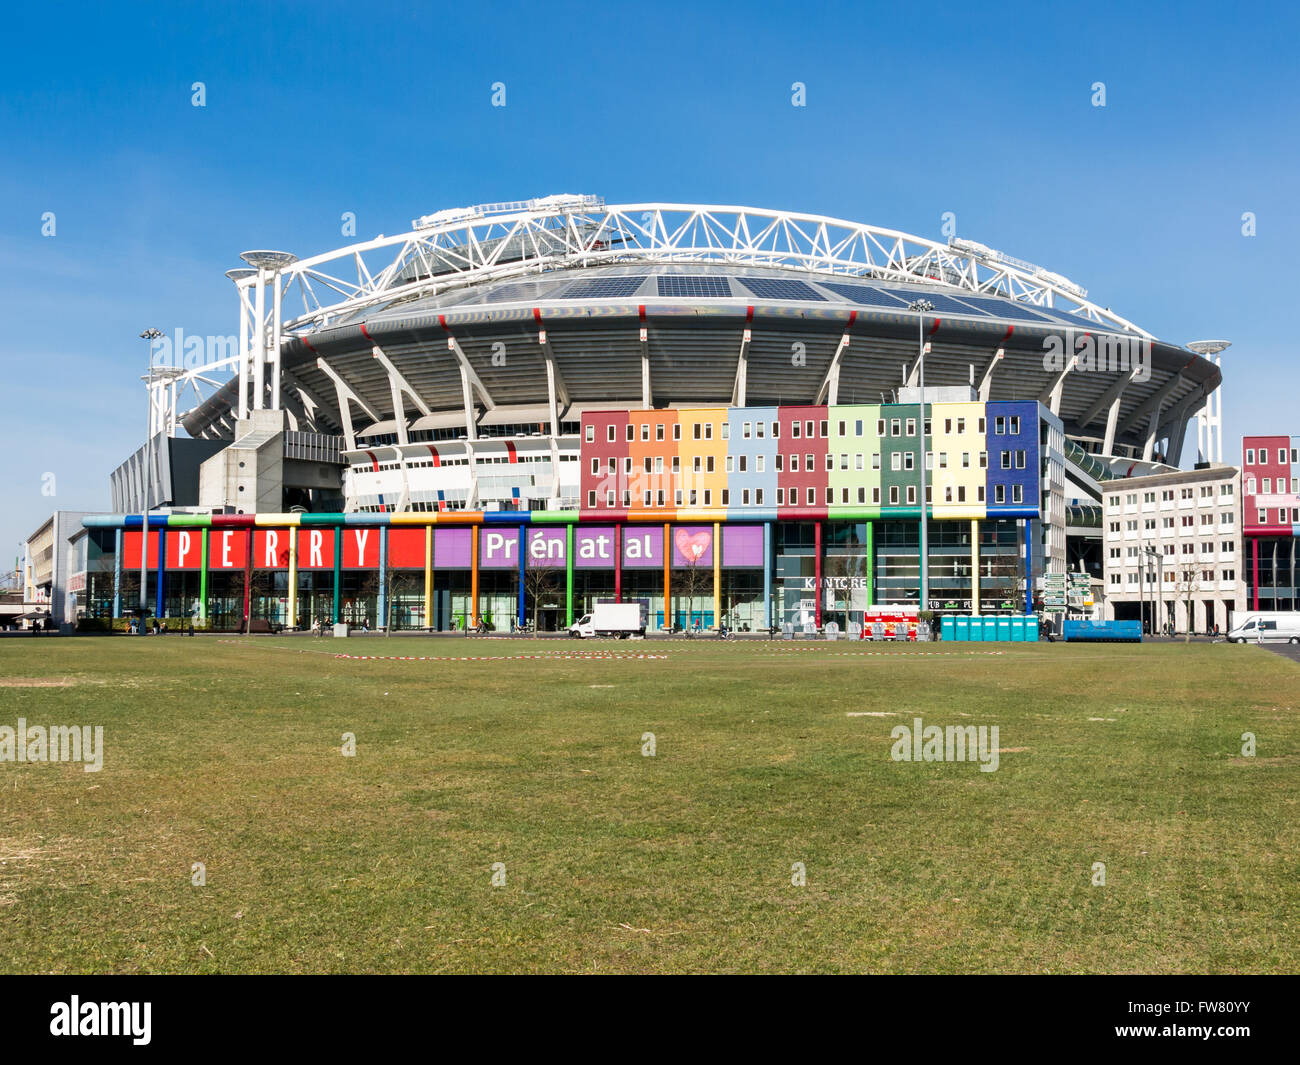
691	580
540	583
1188	583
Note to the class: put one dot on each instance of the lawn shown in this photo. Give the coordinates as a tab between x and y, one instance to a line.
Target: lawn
767	754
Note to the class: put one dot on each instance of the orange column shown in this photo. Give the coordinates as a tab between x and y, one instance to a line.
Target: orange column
473	580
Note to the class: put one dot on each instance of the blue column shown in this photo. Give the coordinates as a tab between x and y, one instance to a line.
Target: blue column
381	606
523	569
117	573
162	569
768	562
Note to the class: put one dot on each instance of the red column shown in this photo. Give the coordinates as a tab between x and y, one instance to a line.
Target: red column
248	573
1254	565
817	572
618	563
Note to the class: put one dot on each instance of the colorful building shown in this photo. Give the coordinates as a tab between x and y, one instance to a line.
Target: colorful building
738	515
1270	479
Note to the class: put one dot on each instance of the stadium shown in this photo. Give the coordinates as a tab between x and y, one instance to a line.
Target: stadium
514	411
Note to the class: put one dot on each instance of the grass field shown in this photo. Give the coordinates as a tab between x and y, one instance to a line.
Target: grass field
229	753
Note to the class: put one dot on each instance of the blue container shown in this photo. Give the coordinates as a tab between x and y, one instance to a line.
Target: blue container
1017	630
974	630
1031	628
1004	629
948	627
1103	631
990	627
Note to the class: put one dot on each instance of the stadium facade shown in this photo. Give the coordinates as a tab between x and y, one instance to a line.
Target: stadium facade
732	414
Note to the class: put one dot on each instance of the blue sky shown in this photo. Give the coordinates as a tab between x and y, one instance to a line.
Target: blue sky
385	110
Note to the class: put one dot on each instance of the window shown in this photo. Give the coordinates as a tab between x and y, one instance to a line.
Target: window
595	466
1250	456
808	430
880	427
659	431
709	464
830	461
1000	496
911	493
778	457
1268	485
759	463
609	498
794	463
744	498
744	430
1020	460
645	430
780	497
1281	456
943	460
591	499
984	460
896	461
824	433
611	466
862	494
947	425
708	497
875	495
857	427
694	497
695	431
776	430
812	497
858	464
844	428
893	494
794	430
1006	460
1014	424
1229	574
758	497
677	464
808	463
844	461
659	464
743	460
909	460
659	498
677	431
758	430
1017	493
730	464
591	433
911	426
965	460
980	430
875	460
999	426
895	425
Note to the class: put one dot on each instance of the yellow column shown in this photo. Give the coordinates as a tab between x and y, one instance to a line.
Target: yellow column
473	580
975	567
428	576
293	577
717	574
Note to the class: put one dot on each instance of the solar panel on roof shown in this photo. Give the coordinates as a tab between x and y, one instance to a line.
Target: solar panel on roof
777	288
865	295
1003	308
691	286
603	288
522	290
1079	320
942	304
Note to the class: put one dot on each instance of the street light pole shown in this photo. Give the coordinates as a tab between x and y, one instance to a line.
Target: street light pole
923	307
148	336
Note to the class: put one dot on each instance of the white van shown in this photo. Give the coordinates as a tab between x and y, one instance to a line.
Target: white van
610	619
1270	626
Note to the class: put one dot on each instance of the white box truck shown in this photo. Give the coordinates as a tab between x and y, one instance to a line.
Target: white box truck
1265	626
610	619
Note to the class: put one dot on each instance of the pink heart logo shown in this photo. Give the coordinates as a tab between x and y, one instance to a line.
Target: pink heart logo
691	546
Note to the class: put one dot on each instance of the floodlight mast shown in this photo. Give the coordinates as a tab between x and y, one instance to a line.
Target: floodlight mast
922	308
148	336
1209	419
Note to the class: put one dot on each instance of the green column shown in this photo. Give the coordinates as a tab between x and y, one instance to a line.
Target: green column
203	575
871	563
568	574
338	573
